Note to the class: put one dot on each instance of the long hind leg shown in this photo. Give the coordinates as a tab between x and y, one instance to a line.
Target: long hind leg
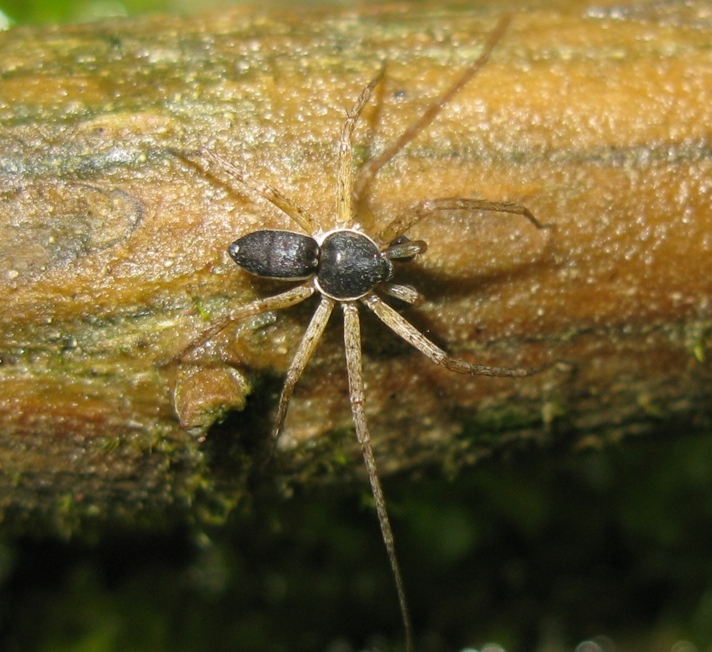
352	343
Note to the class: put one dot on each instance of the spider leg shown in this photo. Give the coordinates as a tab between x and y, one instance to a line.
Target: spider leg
352	344
405	293
297	214
426	208
344	174
414	337
278	302
301	358
371	169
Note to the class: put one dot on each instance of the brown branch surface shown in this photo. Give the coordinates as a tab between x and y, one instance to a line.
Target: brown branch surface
114	249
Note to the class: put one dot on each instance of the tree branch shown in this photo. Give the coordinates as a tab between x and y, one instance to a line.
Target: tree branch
114	248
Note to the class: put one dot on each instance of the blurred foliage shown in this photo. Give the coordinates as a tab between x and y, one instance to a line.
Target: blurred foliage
24	12
538	552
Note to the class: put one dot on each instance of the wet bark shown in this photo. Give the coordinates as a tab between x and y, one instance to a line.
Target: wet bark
114	248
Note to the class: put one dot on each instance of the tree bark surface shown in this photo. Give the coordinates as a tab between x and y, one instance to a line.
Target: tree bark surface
113	248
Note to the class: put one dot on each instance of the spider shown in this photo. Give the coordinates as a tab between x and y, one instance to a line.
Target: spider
346	266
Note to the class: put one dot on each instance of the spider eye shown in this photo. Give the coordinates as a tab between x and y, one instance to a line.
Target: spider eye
276	254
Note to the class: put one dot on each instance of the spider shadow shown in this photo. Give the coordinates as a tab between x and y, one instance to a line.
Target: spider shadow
444	285
239	445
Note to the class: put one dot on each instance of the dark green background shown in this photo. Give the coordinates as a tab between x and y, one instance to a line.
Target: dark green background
537	550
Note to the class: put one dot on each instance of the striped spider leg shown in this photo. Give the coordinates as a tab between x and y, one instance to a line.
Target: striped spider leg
346	266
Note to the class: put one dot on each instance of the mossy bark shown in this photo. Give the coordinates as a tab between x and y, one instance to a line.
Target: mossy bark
114	248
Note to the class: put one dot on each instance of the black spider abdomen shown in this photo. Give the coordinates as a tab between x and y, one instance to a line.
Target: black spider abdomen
272	253
351	265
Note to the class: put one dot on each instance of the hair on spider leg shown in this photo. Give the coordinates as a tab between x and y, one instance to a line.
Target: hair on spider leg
346	266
